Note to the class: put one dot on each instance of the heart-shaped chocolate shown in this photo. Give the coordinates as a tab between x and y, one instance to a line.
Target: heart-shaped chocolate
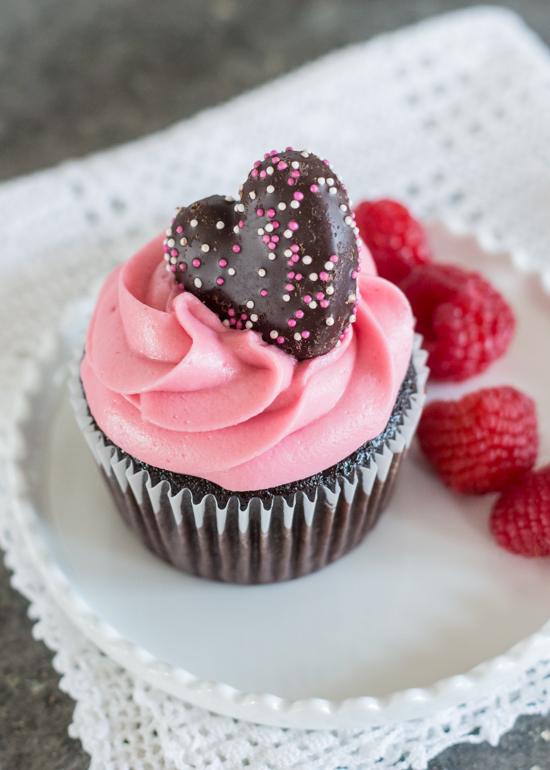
283	260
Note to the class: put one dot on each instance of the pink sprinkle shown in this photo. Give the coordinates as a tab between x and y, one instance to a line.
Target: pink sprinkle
280	340
275	238
263	174
223	262
291	275
307	299
320	295
291	322
231	312
334	258
290	181
294	246
299	314
219	281
244	316
266	238
236	248
173	268
257	163
289	149
263	292
260	212
266	155
196	263
289	287
359	269
275	224
305	335
299	276
239	324
323	276
296	174
180	286
232	322
326	161
298	196
324	303
174	253
166	249
241	224
295	258
291	263
359	248
271	212
275	159
314	188
293	225
179	229
254	173
272	245
353	274
282	165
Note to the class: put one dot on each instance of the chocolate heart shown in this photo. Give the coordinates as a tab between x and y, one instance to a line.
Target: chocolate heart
282	261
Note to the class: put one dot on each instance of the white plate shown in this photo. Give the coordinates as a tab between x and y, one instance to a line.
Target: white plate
425	598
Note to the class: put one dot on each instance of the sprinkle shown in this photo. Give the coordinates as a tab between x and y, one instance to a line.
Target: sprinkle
220	281
295	174
275	224
286	297
231	271
275	159
295	258
263	174
260	212
179	229
273	334
271	245
293	225
168	231
266	239
231	312
275	238
171	268
281	206
299	276
282	165
295	164
289	287
257	163
280	340
249	324
239	324
299	314
263	293
352	318
287	253
252	194
330	181
236	248
351	297
254	173
197	282
324	303
305	154
348	220
321	180
299	196
196	263
314	188
269	229
307	299
173	260
291	275
307	260
270	189
220	225
253	317
271	212
272	255
289	149
320	295
294	204
183	241
205	247
354	274
241	223
356	230
313	276
236	229
288	233
171	242
261	231
343	207
243	316
291	322
332	190
232	321
225	322
239	207
295	247
297	336
329	321
323	276
330	289
313	304
261	272
305	335
174	253
270	170
290	181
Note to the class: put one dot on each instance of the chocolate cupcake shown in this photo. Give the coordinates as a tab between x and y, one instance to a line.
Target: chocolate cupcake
250	386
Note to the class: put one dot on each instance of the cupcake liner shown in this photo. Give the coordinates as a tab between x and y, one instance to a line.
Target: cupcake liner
265	541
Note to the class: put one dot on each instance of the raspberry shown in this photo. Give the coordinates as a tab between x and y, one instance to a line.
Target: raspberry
520	521
483	442
465	322
395	239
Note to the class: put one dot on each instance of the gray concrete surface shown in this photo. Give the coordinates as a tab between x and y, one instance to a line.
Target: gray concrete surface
77	76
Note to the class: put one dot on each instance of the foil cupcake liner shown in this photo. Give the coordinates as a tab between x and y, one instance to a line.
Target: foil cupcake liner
266	541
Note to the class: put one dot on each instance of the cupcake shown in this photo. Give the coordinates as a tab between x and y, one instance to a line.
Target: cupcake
249	385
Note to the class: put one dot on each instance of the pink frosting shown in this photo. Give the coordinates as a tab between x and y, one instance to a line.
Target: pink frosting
171	385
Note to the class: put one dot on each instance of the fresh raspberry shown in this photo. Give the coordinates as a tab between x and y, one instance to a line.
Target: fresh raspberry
396	240
483	442
520	521
465	322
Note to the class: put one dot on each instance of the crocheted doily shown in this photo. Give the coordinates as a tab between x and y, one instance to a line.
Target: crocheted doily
451	116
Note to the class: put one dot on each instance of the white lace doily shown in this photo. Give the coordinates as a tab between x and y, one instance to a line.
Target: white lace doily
452	116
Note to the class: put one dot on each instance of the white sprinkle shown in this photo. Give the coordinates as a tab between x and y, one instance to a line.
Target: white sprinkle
169	231
240	207
270	188
254	317
270	170
332	190
338	344
193	223
329	321
338	177
330	181
295	205
167	256
331	166
287	252
286	297
231	271
220	225
295	164
250	304
351	298
269	227
288	233
352	318
313	276
321	180
348	220
226	322
248	324
229	198
330	290
252	194
329	266
297	336
167	268
173	260
272	255
273	334
261	272
261	231
290	285
313	304
183	241
343	207
236	229
356	230
197	282
350	202
205	247
171	242
305	154
281	206
307	260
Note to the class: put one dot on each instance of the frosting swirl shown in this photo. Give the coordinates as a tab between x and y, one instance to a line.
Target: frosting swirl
171	385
